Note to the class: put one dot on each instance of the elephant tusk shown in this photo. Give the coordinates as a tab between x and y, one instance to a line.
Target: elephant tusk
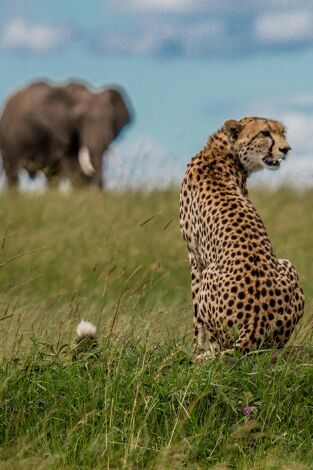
85	161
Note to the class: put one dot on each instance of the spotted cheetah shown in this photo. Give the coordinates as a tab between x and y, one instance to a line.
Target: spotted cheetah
243	296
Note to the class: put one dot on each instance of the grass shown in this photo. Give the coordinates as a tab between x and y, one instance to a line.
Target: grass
136	401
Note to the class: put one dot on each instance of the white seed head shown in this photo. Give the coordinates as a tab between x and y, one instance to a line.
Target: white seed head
86	329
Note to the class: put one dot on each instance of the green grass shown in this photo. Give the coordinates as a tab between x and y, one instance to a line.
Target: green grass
137	401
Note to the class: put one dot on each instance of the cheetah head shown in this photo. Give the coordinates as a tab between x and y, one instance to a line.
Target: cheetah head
258	142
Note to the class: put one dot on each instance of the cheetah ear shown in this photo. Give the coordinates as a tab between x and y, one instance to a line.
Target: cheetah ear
233	128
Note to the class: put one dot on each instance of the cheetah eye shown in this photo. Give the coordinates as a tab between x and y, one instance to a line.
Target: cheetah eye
265	133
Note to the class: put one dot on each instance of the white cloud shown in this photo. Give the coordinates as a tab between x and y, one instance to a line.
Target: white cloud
304	100
285	26
38	37
209	6
300	131
295	107
166	6
130	42
196	38
174	27
200	37
162	5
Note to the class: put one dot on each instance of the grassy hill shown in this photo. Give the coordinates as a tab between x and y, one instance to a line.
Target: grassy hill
136	401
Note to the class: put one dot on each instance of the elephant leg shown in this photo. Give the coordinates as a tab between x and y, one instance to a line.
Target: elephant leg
11	170
53	181
31	167
52	173
71	170
99	180
90	164
79	180
32	174
12	179
95	179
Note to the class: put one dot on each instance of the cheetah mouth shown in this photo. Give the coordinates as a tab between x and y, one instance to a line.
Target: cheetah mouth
272	163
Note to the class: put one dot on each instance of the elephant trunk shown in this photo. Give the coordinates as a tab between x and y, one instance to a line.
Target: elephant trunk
85	161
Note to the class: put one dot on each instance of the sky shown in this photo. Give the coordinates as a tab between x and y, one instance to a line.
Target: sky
186	65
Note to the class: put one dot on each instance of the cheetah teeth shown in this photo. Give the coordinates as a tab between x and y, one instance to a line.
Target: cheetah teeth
271	163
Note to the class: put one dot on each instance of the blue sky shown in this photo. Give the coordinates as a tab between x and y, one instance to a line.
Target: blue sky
187	65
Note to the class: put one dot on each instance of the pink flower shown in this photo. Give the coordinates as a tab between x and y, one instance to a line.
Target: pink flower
248	410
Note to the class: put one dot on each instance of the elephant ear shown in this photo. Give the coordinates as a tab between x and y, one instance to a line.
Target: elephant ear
121	109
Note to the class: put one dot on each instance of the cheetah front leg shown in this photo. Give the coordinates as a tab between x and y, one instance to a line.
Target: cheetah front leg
199	326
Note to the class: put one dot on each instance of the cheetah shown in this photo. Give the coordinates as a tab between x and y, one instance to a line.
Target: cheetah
244	298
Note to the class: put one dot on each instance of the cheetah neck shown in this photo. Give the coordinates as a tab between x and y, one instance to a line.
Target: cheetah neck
222	161
220	141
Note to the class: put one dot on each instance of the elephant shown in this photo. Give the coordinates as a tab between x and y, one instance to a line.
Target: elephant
61	130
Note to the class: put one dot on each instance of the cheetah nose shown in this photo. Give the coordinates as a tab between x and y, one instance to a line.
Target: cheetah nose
285	150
